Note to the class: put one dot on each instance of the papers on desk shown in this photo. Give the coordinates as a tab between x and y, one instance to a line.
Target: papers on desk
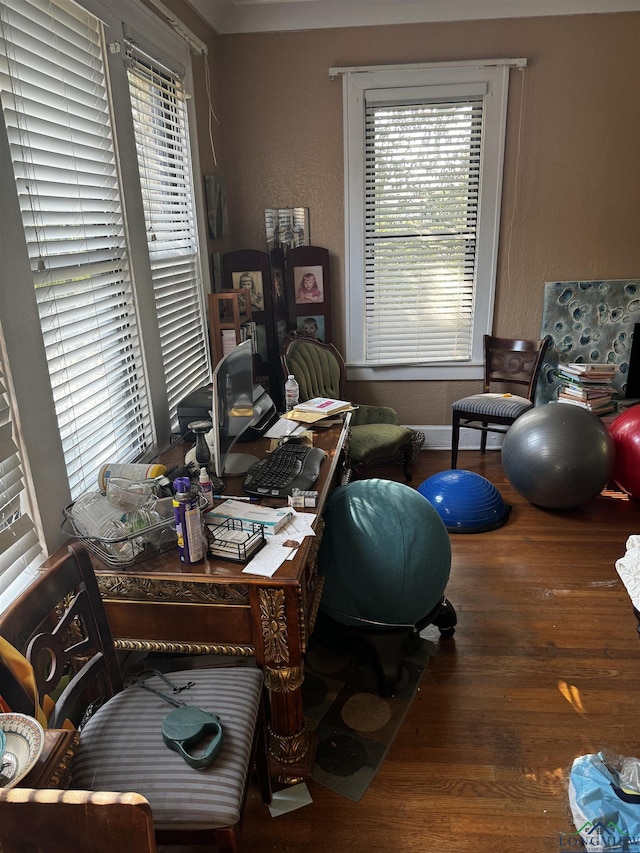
283	428
281	546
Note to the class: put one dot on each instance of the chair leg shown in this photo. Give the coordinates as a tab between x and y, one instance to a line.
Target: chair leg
483	439
446	618
455	437
227	840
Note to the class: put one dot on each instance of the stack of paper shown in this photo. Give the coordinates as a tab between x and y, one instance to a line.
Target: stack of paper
272	518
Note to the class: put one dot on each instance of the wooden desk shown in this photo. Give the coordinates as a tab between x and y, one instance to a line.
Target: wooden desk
162	605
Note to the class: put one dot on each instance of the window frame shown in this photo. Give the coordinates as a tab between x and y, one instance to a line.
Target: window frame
384	82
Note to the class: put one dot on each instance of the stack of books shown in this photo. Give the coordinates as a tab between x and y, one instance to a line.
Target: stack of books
589	386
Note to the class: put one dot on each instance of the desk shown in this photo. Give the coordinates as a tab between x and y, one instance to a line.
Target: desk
162	605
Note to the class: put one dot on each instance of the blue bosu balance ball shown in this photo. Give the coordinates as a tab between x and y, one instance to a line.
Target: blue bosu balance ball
466	502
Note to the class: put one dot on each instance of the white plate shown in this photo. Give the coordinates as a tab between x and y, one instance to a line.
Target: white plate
25	741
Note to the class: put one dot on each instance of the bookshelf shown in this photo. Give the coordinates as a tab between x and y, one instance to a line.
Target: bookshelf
229	320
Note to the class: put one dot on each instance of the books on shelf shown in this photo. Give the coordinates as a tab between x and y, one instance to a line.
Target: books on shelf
323	406
271	518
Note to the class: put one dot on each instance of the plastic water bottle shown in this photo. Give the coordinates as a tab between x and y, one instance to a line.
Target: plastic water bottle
291	392
186	508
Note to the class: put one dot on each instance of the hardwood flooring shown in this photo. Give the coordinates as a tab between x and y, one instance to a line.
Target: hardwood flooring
544	666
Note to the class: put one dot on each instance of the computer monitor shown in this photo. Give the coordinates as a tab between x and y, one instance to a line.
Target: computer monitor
232	409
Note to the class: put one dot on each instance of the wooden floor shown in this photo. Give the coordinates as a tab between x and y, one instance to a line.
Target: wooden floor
544	666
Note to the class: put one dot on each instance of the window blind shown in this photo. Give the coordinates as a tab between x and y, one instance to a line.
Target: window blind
55	100
422	185
158	102
20	550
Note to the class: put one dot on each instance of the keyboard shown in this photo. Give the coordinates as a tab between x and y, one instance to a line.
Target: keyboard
290	466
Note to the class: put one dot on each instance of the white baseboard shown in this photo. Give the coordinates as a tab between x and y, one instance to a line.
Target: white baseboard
439	438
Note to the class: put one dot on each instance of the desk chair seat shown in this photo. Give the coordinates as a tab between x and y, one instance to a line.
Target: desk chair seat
511	364
60	626
121	749
376	433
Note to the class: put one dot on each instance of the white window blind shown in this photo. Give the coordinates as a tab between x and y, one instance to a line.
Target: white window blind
422	182
55	101
161	130
424	151
20	549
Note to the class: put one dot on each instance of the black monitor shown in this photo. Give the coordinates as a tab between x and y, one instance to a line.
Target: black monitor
233	409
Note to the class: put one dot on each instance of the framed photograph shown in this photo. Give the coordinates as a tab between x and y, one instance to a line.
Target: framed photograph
252	280
311	326
309	284
308	291
277	286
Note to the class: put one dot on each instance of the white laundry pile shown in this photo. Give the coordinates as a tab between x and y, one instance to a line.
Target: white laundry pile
628	567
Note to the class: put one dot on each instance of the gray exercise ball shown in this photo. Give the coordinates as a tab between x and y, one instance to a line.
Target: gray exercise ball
558	456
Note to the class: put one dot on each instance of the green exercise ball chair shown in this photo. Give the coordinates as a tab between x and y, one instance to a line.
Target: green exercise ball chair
385	557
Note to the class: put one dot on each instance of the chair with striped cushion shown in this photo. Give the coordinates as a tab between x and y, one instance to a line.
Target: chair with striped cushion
512	365
60	626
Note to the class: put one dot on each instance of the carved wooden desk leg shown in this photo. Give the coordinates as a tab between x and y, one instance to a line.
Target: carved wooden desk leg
281	658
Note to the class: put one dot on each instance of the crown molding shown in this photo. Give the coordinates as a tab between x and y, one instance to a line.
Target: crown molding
255	16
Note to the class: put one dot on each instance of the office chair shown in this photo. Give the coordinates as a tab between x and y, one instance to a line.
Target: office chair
376	434
511	364
60	626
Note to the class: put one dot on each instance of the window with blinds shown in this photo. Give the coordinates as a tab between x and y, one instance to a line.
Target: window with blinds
424	150
158	101
56	106
109	218
422	183
20	550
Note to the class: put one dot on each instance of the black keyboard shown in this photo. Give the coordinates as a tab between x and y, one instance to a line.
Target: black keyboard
290	466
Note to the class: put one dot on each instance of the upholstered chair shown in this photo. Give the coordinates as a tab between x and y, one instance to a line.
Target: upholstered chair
59	625
376	434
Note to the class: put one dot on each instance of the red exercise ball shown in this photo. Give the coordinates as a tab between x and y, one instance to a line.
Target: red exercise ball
625	431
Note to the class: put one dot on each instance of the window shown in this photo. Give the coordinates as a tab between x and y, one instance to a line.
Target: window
103	322
20	549
161	130
112	249
423	173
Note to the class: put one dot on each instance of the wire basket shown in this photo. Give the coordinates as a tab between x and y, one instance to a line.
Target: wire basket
127	550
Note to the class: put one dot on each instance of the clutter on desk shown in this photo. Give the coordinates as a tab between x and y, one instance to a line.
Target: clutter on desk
121	538
235	540
271	518
205	487
129	471
188	519
300	499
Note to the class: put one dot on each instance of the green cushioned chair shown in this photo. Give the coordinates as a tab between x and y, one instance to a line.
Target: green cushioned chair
376	434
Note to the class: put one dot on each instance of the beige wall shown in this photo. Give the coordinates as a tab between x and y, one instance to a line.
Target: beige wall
571	198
